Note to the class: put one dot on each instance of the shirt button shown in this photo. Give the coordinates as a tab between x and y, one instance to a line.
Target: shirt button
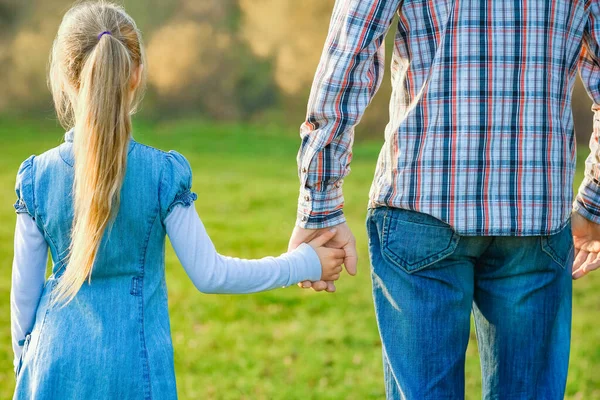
304	219
304	169
307	198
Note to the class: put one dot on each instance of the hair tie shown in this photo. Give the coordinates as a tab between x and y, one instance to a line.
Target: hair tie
104	33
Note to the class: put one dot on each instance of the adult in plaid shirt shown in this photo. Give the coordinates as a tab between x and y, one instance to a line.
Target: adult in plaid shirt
471	207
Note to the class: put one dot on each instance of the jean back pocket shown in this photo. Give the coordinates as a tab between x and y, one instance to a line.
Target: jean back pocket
559	246
413	241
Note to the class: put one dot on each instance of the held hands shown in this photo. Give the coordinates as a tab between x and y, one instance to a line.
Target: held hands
331	259
342	239
586	239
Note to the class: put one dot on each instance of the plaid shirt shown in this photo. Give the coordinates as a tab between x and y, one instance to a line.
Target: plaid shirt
481	131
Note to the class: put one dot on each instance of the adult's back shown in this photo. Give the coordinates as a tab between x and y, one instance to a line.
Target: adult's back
471	204
481	131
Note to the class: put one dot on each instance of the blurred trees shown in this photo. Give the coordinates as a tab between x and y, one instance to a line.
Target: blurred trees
225	59
292	35
293	44
29	29
199	63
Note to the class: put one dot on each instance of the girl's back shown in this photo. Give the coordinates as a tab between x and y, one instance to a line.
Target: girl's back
98	328
120	322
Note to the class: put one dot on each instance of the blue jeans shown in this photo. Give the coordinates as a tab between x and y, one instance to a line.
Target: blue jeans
426	281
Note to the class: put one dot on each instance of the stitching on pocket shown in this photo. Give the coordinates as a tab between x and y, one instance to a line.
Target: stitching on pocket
411	267
546	245
549	250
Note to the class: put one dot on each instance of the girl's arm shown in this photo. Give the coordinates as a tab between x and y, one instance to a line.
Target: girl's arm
28	277
213	273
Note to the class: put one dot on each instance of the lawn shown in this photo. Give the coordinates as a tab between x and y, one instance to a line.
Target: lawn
288	343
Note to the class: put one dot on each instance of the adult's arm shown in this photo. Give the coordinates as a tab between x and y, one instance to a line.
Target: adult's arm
587	202
347	78
586	220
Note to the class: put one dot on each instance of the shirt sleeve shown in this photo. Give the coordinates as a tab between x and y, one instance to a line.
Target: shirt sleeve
212	272
175	184
28	277
587	201
348	76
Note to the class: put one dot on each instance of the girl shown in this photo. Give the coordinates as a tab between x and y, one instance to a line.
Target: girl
102	204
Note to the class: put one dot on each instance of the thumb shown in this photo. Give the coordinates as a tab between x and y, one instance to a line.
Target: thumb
351	259
323	238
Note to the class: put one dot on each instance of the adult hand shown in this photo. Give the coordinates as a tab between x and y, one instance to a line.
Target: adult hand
343	239
586	239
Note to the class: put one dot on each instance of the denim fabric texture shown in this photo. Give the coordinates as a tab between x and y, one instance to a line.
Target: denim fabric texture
427	280
113	341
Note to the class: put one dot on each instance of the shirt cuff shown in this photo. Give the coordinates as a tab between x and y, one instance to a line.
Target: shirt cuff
317	210
587	202
309	266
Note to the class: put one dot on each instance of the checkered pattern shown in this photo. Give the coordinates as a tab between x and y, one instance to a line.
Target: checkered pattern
481	132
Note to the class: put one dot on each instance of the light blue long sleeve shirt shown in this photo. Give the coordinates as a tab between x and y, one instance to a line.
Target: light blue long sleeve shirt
210	271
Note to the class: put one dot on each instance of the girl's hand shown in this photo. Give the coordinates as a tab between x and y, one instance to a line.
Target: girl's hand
343	239
331	259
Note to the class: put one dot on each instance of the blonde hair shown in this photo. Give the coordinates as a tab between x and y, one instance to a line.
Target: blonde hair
95	55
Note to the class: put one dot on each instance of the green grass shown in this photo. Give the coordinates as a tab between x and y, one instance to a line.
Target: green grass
288	343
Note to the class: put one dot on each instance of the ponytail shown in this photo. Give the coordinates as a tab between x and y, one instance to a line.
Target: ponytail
101	106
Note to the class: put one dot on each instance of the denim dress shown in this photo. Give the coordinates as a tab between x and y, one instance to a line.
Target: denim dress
113	341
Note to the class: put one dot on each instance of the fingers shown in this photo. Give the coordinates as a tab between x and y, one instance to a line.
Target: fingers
305	284
335	258
301	235
586	262
338	254
580	258
331	286
319	286
590	263
351	258
333	273
331	258
591	246
325	237
592	267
